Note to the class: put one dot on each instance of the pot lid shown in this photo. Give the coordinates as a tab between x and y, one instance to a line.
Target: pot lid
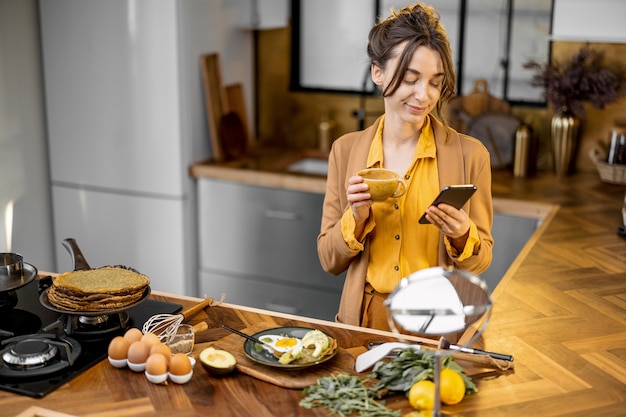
13	282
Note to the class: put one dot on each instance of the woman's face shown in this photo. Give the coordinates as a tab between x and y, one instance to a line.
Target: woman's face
420	89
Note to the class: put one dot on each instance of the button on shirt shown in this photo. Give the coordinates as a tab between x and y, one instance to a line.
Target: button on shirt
400	245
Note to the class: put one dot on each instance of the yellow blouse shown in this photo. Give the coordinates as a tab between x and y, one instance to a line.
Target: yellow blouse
399	244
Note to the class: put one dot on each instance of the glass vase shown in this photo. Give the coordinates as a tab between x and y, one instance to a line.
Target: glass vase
564	130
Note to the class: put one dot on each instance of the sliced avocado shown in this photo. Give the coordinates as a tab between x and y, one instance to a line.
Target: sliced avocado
316	339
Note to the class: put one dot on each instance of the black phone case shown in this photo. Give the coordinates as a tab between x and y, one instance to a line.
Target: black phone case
454	195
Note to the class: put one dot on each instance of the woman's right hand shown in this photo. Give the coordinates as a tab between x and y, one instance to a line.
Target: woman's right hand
359	198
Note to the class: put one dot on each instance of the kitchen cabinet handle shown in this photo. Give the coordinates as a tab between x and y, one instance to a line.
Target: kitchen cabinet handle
281	215
281	308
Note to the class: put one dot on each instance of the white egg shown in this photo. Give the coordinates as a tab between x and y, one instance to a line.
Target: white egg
282	343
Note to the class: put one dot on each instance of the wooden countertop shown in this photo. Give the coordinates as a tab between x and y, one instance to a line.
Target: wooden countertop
265	167
560	311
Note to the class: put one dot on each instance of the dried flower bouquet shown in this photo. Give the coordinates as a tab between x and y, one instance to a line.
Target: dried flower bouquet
583	79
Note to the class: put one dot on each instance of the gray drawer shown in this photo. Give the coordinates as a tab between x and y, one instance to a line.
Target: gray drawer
274	296
261	231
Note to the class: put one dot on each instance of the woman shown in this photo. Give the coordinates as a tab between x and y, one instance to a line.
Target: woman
379	244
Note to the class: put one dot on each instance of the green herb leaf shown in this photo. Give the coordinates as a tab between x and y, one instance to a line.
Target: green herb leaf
411	366
344	395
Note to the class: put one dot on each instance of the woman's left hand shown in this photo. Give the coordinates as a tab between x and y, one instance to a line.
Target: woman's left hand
452	222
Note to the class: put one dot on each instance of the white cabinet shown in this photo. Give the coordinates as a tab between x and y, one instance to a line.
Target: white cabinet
258	245
126	119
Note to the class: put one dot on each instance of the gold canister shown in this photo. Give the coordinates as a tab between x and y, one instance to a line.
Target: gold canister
523	163
325	132
564	129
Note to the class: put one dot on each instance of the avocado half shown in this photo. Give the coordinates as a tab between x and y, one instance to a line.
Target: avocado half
217	361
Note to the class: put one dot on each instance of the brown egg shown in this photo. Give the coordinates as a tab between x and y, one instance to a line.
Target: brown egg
163	349
118	348
156	364
180	364
133	334
138	352
150	339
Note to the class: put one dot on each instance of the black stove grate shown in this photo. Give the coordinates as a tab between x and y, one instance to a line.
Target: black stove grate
93	351
38	387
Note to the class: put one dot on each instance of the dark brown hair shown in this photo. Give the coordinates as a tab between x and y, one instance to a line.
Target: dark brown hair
418	25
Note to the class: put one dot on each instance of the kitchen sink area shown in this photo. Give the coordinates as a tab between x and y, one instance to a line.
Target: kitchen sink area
305	161
314	166
517	225
290	169
271	159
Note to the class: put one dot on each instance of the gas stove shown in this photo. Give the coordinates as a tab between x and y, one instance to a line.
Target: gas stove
42	349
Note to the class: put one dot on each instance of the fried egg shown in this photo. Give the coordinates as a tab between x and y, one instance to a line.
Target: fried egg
282	343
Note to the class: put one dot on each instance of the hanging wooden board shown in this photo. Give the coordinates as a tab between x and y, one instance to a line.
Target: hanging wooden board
461	109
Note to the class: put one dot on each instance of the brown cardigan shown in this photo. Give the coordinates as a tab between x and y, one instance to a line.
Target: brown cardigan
460	159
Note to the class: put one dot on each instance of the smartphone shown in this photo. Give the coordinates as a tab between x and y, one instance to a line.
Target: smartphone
454	195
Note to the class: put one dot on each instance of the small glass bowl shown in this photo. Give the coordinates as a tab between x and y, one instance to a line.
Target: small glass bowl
137	367
183	340
118	363
181	379
156	379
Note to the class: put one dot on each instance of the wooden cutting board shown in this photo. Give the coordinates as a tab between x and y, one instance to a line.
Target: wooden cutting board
233	137
237	103
293	379
215	99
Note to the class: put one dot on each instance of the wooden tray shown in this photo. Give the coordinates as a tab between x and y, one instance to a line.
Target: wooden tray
294	379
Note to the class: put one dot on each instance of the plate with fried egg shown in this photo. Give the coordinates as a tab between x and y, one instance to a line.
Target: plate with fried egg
284	348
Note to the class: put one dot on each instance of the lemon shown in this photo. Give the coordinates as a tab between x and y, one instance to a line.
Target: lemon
423	413
422	395
452	387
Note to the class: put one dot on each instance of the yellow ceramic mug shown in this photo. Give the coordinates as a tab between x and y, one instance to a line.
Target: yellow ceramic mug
383	183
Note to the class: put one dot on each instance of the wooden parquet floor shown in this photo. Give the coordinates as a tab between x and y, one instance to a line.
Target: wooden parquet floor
563	315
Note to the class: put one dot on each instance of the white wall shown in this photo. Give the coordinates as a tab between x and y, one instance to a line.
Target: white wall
23	158
600	21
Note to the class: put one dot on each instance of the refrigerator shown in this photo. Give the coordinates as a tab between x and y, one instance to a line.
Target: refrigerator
125	119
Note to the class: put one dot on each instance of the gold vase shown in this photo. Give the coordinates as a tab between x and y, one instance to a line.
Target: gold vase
565	128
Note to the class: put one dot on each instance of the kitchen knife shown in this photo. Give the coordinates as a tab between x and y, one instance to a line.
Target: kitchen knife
368	359
445	344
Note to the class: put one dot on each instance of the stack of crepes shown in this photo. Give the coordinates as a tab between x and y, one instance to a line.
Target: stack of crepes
101	289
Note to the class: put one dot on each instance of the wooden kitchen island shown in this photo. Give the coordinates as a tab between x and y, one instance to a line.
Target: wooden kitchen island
560	311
